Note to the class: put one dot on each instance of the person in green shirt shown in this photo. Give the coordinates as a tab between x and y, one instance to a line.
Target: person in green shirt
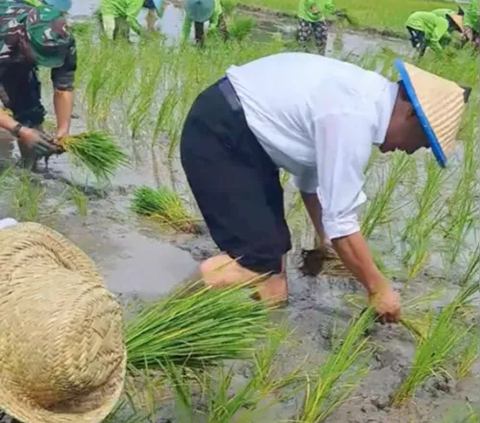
471	24
119	16
199	12
312	16
427	29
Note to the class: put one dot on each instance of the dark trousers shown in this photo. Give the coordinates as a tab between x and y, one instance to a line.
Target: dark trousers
21	93
418	40
200	30
234	181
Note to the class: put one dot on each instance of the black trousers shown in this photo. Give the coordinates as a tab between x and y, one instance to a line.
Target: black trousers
234	181
22	95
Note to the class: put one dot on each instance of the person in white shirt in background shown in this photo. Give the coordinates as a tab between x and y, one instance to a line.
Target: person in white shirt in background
321	128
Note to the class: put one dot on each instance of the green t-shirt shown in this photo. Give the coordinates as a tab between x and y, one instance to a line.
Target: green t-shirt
213	21
471	18
315	10
433	26
126	9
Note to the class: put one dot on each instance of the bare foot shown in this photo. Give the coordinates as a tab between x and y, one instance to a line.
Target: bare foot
274	291
222	270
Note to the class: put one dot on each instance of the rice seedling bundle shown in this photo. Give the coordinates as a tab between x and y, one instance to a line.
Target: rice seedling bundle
96	151
196	330
164	205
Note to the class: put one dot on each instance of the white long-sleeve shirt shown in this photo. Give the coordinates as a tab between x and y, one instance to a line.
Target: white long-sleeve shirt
318	119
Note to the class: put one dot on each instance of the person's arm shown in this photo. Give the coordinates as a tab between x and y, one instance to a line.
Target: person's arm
329	8
437	34
343	148
63	80
133	10
31	138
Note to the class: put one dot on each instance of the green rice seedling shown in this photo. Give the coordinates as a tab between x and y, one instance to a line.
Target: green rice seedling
80	200
28	195
339	376
434	351
165	206
472	267
123	413
378	209
469	354
240	27
263	389
96	151
196	329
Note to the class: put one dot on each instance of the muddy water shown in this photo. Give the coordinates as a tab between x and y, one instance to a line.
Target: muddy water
140	261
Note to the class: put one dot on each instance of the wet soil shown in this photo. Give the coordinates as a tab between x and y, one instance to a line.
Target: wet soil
141	262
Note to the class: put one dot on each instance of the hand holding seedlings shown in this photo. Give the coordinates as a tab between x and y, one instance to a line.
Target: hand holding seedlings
387	305
37	141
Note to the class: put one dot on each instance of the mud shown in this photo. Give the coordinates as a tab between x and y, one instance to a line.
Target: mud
141	263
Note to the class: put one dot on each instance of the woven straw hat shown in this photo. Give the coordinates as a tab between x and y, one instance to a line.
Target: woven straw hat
62	355
458	19
438	103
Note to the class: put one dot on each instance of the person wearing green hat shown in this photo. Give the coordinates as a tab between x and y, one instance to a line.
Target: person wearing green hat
199	12
471	24
119	16
30	37
427	29
312	16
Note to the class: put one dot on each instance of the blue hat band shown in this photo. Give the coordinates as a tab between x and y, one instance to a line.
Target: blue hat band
432	138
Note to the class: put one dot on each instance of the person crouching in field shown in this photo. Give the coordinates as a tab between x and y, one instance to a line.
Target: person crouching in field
31	37
471	25
427	29
312	16
199	12
119	16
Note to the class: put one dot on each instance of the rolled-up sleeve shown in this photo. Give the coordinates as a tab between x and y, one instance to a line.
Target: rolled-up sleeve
63	78
343	147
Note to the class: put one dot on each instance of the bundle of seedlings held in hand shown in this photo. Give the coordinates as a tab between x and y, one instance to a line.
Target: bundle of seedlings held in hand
96	151
165	206
196	329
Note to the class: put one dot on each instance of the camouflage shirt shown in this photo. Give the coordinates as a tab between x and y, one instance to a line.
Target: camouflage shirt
20	23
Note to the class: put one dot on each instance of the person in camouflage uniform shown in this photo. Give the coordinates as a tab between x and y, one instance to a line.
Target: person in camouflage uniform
33	36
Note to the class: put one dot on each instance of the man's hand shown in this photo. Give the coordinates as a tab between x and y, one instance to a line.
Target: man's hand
387	305
36	141
314	9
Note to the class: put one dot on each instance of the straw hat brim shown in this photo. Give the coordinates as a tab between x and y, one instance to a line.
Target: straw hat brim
30	242
439	105
432	139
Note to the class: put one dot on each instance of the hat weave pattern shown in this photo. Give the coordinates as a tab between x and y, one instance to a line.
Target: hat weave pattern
62	355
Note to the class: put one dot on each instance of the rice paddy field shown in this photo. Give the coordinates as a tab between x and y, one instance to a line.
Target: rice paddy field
196	355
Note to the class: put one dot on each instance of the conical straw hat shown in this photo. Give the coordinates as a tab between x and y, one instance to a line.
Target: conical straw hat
458	19
438	103
62	354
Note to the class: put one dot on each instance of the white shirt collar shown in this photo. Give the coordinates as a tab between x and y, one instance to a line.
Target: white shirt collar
385	109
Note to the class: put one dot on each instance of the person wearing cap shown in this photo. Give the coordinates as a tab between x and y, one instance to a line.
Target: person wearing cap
471	24
154	10
312	16
427	29
119	16
62	351
31	37
320	128
199	12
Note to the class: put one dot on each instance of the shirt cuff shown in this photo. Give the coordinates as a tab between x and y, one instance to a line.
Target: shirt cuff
338	228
